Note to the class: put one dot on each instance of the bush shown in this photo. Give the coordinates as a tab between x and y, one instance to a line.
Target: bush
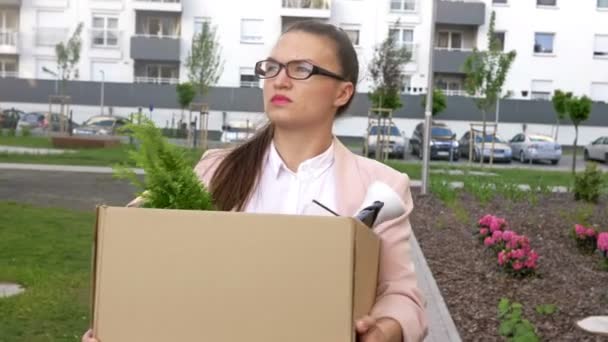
12	132
25	132
588	184
585	238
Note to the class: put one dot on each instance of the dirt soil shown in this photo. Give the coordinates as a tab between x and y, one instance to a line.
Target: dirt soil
472	284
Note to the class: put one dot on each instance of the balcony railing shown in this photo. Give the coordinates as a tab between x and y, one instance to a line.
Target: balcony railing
250	84
453	49
158	5
9	74
454	92
307	4
156	80
159	36
9	38
50	36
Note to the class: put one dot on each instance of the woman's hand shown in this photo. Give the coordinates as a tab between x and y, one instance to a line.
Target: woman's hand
370	329
88	337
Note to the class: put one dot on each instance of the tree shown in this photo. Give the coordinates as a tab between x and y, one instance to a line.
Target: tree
185	95
204	61
486	72
387	75
579	110
560	100
68	56
439	102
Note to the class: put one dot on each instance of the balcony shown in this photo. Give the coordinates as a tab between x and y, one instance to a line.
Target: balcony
461	12
155	48
306	9
156	72
9	42
156	80
450	61
158	5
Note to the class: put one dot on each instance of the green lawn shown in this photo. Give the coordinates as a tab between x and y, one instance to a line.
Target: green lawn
31	141
49	252
88	157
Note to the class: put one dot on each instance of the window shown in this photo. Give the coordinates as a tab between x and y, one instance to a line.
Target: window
449	40
201	25
602	4
161	26
541	89
8	67
105	31
599	92
407	84
404	38
500	38
543	42
600	47
353	32
403	5
552	3
251	30
499	1
248	79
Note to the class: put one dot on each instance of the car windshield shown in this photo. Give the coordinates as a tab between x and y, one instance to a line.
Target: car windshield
540	139
441	132
393	130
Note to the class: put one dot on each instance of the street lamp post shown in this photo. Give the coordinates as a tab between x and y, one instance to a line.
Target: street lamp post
103	76
428	111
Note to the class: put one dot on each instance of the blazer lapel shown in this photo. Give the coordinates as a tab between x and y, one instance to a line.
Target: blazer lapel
349	187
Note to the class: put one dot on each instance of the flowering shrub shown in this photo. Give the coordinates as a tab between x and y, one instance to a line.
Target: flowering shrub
602	246
514	253
585	238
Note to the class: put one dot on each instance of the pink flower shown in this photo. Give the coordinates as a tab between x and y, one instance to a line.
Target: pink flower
532	256
483	231
590	232
517	265
488	242
486	221
530	263
602	242
502	258
507	235
518	254
579	230
497	224
497	235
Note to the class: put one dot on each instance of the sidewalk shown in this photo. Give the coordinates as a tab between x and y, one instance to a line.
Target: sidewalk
31	150
61	168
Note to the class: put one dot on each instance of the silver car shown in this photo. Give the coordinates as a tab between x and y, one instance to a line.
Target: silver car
597	150
535	147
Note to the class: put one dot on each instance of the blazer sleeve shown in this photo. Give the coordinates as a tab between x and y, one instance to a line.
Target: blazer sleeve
398	295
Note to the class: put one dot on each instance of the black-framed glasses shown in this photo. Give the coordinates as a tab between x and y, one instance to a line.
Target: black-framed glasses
296	69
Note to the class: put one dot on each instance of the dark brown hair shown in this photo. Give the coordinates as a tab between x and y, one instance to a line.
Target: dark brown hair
237	174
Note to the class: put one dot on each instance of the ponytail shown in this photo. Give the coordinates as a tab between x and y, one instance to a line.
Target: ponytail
235	178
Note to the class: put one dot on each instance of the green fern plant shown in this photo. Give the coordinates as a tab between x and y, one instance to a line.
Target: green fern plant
170	181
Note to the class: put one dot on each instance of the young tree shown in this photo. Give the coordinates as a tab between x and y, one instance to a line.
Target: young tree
579	110
560	100
386	71
185	95
204	62
68	56
486	72
439	102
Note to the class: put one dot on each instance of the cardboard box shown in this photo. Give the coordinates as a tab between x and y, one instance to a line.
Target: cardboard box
176	275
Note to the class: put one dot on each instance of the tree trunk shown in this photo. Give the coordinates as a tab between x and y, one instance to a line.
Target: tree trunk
557	129
574	152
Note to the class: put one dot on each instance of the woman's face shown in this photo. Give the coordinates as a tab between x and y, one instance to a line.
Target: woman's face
309	103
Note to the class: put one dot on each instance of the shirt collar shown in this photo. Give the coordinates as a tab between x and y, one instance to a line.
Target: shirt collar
313	166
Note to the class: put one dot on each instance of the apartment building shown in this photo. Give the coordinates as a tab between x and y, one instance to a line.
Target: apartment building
559	43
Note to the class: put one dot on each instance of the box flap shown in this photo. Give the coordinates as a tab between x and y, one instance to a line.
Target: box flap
173	275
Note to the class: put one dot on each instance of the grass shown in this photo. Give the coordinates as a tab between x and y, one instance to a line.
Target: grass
48	251
31	141
86	157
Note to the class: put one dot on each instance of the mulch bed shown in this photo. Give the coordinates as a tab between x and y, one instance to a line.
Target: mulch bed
472	285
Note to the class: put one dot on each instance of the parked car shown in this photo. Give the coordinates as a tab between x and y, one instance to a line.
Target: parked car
10	117
443	142
533	147
101	125
502	151
395	146
597	150
39	121
237	131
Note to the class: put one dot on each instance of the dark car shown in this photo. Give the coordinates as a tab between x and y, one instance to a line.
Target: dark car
39	121
443	142
9	118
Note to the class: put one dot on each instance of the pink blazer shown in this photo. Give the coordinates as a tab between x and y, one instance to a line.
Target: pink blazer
398	295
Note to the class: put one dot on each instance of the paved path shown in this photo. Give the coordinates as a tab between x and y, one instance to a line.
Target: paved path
62	168
30	150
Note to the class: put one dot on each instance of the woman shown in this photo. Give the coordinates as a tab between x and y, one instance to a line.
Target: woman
310	78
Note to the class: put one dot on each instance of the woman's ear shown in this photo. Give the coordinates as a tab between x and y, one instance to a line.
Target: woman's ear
345	91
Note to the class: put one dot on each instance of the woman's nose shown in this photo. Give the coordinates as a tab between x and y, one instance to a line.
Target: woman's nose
281	80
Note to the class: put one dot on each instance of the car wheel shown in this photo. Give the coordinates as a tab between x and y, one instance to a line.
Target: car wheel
555	161
586	155
522	157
